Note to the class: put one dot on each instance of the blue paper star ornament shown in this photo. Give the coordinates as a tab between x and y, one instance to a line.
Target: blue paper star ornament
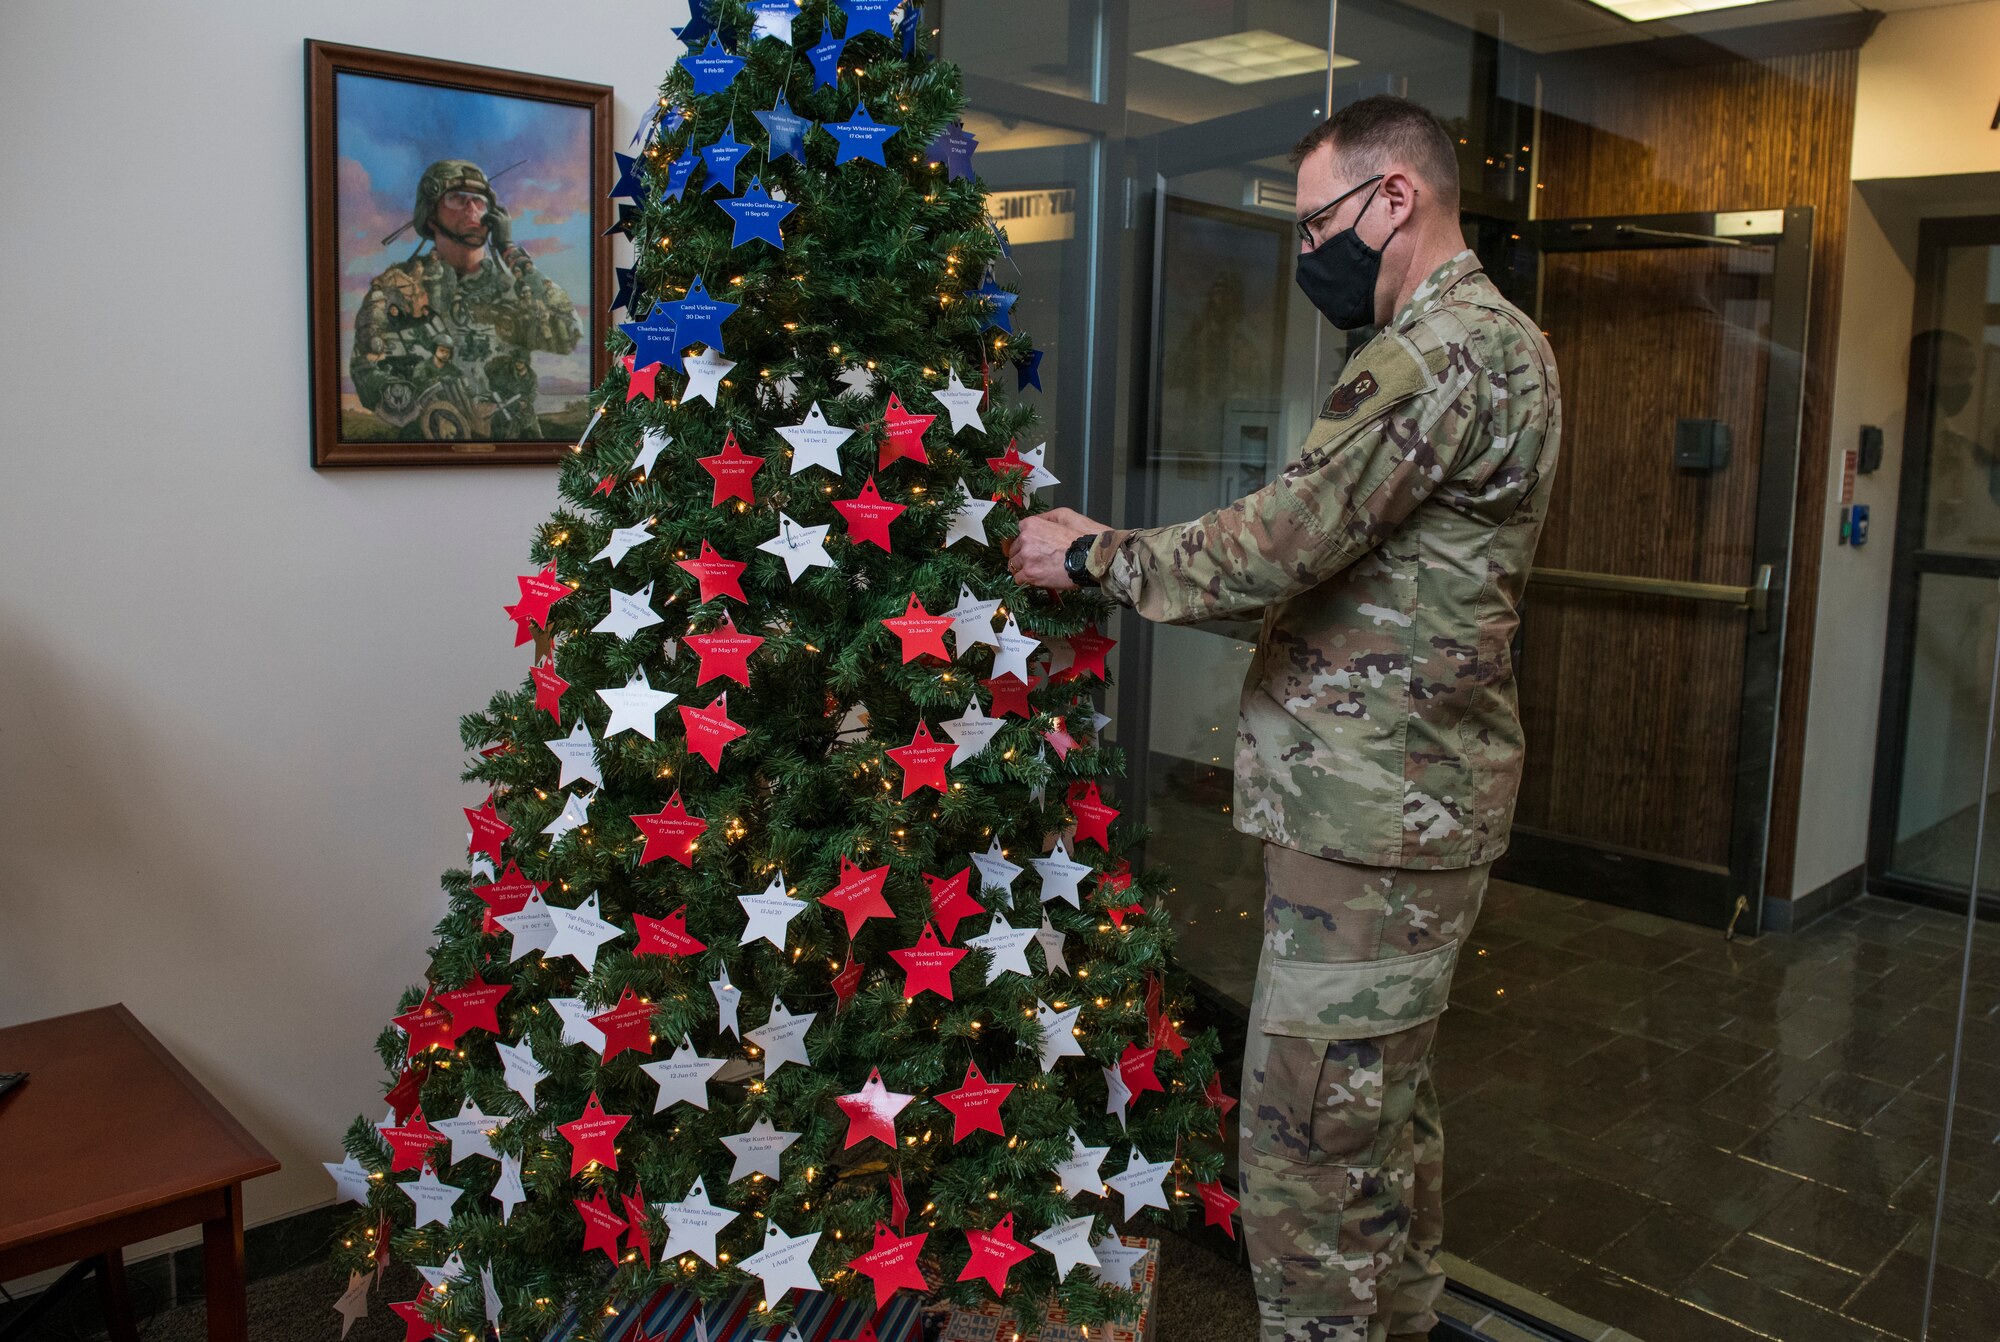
757	215
953	148
722	158
869	16
787	130
628	184
825	60
772	18
1001	313
678	173
656	339
699	317
861	138
714	70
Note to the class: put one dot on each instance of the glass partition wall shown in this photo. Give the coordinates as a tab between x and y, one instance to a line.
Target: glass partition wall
1666	1115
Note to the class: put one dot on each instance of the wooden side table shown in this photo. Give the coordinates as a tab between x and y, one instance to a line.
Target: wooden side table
111	1142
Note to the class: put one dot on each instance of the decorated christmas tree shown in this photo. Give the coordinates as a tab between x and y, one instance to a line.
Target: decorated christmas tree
797	949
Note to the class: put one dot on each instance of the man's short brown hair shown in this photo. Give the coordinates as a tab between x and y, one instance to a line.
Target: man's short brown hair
1374	132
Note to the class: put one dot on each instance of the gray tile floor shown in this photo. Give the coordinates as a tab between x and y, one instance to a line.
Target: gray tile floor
1688	1138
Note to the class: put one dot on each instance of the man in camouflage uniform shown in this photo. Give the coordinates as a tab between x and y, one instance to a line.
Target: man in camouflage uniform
443	342
1379	748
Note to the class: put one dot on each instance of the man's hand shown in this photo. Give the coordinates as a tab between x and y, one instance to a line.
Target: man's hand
1035	557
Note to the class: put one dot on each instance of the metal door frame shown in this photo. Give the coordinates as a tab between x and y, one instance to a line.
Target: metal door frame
1705	893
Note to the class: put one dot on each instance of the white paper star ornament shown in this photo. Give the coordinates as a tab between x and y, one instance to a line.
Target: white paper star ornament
635	707
693	1223
815	442
785	1262
1007	946
630	612
1082	1173
758	1150
1058	1039
969	522
963	403
432	1197
580	932
801	547
350	1180
1142	1182
705	373
770	913
578	753
683	1077
783	1037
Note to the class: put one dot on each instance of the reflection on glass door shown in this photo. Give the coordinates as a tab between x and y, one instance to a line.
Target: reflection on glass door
1223	393
1946	595
1650	643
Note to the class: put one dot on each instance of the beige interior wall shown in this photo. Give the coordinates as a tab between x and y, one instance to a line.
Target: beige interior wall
1929	82
1925	104
1854	584
228	711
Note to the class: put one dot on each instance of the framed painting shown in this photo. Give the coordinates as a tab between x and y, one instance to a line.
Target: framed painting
460	258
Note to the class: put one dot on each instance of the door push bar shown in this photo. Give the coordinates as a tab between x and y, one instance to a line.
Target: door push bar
1756	598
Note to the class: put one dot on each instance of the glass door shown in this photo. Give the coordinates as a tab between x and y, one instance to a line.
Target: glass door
1652	636
1945	598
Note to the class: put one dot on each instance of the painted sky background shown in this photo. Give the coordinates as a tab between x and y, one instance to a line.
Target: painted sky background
388	131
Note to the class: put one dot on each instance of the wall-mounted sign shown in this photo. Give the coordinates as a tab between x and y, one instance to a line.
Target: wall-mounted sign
1035	216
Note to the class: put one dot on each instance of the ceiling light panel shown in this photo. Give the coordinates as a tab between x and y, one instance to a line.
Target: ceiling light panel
1245	58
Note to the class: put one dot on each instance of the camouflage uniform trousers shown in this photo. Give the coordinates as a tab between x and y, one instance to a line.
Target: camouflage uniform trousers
1342	1145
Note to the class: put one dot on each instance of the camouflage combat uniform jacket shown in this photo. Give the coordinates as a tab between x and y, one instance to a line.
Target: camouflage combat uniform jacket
443	355
1379	723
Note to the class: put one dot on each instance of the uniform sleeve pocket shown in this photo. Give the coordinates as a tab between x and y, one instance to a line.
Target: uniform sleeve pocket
1310	999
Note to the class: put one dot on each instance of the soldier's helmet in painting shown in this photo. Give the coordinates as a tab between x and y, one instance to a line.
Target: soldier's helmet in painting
456	174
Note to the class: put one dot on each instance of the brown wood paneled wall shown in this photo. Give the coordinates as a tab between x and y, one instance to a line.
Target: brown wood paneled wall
1637	136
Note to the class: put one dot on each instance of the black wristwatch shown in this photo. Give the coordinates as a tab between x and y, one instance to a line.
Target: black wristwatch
1073	561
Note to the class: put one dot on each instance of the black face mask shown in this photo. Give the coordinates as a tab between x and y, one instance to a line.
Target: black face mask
1339	275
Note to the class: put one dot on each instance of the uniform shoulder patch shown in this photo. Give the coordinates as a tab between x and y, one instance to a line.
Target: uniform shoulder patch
1349	396
1386	371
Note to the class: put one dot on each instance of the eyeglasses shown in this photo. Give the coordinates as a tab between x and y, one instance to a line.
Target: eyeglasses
1304	225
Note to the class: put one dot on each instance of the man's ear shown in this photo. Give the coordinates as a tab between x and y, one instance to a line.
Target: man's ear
1399	192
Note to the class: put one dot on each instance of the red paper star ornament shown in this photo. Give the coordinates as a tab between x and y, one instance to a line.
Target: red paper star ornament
732	469
923	760
899	1203
952	901
410	1143
905	436
858	895
1087	650
1135	1068
539	591
636	1213
847	982
868	516
994	1254
670	833
928	964
549	689
718	576
506	895
922	632
1216	1098
1218	1208
724	652
592	1136
1009	695
403	1096
892	1263
1012	471
602	1227
871	1111
1093	816
416	1327
489	831
667	936
476	1005
709	730
429	1026
975	1105
644	382
1059	737
626	1026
